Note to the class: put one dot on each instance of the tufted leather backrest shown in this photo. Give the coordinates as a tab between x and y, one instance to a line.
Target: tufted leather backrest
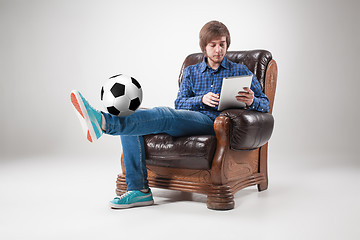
256	60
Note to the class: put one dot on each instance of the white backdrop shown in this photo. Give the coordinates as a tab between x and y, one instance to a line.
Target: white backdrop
48	48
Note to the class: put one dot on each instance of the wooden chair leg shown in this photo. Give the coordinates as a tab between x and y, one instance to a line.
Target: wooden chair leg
262	186
263	168
121	185
220	202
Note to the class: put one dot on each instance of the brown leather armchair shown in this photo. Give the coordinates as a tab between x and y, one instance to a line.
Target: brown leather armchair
220	165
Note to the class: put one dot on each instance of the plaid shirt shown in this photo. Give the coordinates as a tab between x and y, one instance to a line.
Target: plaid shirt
199	79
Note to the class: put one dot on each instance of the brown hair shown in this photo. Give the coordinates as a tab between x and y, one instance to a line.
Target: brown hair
212	30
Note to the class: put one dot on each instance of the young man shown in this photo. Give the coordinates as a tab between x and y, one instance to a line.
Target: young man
194	113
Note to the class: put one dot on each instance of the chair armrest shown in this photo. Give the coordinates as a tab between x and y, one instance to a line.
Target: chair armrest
248	129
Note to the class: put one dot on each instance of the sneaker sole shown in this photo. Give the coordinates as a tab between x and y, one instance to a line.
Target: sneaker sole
137	204
83	116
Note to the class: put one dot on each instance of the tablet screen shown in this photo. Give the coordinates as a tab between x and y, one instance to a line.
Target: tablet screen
229	90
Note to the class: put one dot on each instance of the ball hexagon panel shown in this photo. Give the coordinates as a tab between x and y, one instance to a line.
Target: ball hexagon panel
122	103
133	92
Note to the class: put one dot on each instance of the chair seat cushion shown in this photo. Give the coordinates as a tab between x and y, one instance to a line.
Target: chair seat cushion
191	152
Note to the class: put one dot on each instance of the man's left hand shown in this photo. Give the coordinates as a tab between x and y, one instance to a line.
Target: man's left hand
246	96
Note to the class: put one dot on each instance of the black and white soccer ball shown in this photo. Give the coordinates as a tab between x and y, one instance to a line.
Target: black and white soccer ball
121	95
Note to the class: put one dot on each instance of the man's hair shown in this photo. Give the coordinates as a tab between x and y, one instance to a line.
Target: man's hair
212	30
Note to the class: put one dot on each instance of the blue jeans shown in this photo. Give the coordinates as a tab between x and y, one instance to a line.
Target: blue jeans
151	121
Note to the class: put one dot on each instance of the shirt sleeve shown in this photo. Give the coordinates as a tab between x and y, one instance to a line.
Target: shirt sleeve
261	101
186	98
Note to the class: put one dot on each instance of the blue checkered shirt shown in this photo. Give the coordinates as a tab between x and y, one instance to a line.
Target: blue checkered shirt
199	79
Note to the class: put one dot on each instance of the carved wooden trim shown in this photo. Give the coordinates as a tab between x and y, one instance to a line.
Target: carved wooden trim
219	197
239	164
263	167
222	128
270	82
187	175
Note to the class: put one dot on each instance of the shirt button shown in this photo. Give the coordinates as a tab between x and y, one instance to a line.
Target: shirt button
211	85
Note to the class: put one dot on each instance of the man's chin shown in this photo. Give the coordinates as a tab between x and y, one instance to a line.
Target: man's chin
217	59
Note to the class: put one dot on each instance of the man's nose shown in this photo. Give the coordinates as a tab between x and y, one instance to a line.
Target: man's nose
217	48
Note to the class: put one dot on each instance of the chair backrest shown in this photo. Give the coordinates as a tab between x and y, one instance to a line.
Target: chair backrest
257	62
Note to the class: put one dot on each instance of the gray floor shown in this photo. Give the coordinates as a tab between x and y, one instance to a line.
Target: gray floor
62	197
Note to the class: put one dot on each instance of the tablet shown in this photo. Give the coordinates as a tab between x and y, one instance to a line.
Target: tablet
229	90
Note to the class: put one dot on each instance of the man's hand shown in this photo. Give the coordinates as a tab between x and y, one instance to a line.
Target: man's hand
246	96
211	99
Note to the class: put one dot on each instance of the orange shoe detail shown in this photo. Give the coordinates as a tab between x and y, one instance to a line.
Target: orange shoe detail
88	136
76	104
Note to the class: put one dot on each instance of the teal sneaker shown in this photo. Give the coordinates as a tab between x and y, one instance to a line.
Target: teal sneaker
132	199
89	117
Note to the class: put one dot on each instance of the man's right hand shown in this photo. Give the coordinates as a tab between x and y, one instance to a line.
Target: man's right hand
211	99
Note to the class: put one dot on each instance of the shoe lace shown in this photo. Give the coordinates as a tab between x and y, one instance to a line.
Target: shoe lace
124	195
87	103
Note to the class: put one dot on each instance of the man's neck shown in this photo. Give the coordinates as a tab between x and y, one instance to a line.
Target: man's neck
213	65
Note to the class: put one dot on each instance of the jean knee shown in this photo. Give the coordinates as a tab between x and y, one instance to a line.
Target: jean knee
164	111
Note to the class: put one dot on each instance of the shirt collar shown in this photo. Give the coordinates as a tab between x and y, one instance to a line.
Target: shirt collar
224	63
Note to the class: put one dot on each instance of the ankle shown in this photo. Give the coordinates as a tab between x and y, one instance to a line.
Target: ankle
103	122
147	190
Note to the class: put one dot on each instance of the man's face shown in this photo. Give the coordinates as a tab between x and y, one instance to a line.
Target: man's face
216	50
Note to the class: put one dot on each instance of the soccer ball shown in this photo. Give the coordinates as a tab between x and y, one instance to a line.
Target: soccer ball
121	95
